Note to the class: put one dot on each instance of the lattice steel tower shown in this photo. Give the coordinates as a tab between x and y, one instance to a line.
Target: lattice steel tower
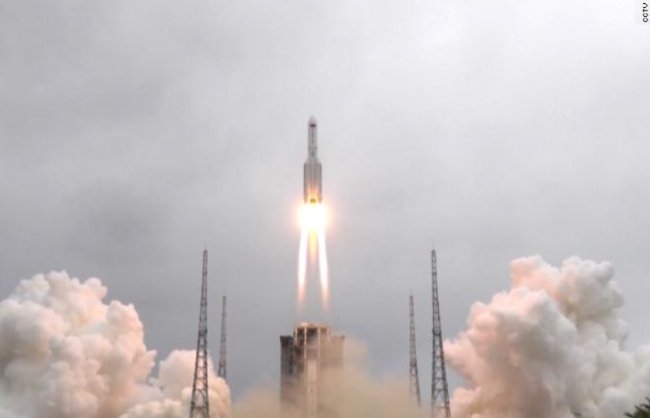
200	405
414	380
222	343
439	390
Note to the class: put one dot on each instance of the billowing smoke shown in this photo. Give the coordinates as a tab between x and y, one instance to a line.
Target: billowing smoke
350	392
550	347
64	353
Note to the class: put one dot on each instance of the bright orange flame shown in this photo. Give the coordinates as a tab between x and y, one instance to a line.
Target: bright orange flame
313	220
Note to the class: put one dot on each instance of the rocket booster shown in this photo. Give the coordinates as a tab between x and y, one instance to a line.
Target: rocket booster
312	177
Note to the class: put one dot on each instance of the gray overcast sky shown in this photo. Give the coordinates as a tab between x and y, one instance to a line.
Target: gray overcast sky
133	133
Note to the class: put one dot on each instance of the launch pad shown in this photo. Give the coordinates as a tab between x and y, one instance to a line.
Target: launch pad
306	357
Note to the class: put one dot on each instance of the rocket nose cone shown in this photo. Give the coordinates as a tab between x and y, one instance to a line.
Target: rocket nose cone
312	121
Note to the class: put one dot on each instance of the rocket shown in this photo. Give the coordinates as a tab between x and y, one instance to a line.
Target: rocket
312	171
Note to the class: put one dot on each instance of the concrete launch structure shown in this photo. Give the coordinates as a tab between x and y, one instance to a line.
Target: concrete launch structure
306	357
312	170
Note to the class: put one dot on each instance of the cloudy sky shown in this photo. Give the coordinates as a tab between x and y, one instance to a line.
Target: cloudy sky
134	133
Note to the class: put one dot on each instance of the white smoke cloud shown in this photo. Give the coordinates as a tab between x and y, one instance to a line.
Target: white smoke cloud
550	347
174	382
64	353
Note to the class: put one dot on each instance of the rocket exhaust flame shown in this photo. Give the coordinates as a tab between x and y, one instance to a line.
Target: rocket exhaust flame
323	269
313	250
302	267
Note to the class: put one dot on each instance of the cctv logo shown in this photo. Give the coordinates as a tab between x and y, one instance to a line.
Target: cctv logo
643	14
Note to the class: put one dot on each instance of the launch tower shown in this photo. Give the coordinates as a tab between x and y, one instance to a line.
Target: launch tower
306	356
199	405
414	380
439	390
222	342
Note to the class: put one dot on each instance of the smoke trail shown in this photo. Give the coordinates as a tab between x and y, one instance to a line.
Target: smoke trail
64	353
550	347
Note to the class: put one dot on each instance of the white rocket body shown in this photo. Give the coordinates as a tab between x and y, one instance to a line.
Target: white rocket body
312	176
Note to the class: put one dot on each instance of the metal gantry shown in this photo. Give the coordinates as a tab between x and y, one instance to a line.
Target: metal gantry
414	380
222	343
439	390
200	405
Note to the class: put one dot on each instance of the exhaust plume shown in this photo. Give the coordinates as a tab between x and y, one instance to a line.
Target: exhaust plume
350	392
64	353
312	251
550	347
